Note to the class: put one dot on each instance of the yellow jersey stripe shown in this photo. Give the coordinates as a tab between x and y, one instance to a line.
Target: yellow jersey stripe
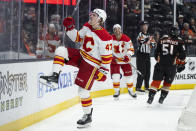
91	78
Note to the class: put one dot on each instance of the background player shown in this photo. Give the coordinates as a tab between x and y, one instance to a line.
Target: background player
93	59
169	54
122	52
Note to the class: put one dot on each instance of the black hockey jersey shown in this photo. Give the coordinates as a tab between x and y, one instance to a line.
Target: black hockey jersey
169	49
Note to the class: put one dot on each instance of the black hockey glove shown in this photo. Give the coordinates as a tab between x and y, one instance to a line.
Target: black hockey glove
180	67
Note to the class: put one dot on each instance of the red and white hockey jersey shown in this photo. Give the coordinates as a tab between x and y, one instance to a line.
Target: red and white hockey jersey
49	45
122	47
96	48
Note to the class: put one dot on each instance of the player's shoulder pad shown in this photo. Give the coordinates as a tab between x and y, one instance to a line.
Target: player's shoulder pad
164	37
180	40
88	25
140	34
125	38
103	34
114	37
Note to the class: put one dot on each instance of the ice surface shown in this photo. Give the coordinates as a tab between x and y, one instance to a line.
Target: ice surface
126	114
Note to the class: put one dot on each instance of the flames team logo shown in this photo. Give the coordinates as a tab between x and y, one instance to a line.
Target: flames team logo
191	65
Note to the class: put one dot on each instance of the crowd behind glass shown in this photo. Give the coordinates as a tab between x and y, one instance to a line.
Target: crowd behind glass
26	28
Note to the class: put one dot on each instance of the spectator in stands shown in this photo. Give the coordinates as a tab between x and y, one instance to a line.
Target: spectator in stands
47	45
186	9
192	11
56	20
29	31
187	33
156	36
193	25
126	6
132	16
137	8
188	36
180	22
147	6
41	30
113	7
166	7
132	6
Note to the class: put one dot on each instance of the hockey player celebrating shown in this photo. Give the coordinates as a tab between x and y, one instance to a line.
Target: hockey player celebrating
170	55
122	52
93	59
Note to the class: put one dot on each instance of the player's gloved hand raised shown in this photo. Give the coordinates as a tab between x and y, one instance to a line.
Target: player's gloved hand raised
100	74
180	68
126	59
69	23
180	65
180	62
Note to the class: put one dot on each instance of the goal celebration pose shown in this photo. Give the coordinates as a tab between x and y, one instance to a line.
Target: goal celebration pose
93	58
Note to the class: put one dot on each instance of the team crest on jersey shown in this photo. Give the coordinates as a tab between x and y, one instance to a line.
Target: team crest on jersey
191	65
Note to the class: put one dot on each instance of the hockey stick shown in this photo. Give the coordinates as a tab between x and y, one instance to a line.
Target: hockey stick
136	69
75	9
133	67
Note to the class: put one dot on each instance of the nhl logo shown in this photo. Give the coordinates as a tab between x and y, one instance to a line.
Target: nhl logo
191	65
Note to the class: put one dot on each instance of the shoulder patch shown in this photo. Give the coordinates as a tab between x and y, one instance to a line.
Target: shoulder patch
179	38
102	34
114	37
181	41
164	36
125	38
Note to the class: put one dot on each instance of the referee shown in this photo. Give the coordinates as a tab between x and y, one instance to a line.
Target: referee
144	43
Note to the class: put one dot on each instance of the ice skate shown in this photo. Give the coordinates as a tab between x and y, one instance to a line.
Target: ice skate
132	94
161	99
85	121
151	96
53	78
163	96
116	95
139	91
146	90
50	81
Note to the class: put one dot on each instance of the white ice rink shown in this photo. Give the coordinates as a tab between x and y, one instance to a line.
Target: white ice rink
127	114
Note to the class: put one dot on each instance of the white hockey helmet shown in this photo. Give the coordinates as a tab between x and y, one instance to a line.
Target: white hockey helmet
101	13
116	26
